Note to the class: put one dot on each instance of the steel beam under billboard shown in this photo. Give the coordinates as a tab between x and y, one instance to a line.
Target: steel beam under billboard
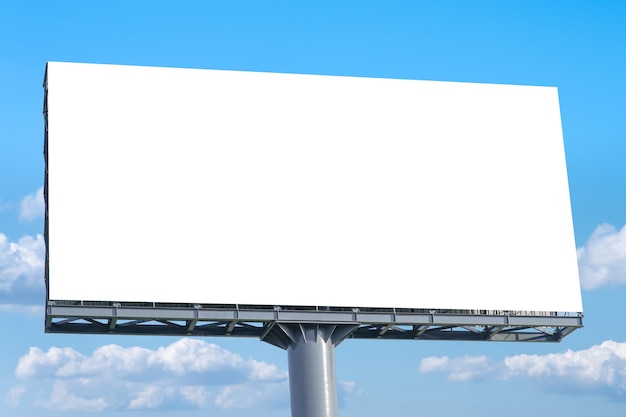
267	323
190	186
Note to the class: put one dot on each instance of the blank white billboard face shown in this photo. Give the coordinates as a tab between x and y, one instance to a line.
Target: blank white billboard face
202	186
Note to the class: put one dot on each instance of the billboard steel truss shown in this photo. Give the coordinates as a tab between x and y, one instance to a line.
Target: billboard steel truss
268	322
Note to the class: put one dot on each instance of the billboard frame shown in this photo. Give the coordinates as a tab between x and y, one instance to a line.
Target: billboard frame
308	333
264	322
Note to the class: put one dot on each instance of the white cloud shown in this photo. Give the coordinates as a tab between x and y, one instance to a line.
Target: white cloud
21	262
183	357
62	399
188	373
150	397
263	371
600	369
248	395
32	206
465	368
602	261
159	395
38	363
195	356
110	360
196	395
434	364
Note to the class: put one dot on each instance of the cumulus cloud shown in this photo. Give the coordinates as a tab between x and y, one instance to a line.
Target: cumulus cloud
150	397
600	369
188	373
458	369
247	395
602	261
185	357
21	262
22	275
32	206
195	395
63	399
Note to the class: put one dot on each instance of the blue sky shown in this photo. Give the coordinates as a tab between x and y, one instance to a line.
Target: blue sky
574	45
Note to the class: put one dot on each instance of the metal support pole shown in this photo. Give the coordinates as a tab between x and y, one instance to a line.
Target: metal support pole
312	380
311	355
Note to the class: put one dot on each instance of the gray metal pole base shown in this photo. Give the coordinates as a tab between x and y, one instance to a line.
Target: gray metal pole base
312	381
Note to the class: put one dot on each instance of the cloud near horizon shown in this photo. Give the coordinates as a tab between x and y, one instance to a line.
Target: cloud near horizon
602	261
599	370
188	373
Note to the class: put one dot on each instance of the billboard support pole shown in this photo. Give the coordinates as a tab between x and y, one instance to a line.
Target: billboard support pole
311	357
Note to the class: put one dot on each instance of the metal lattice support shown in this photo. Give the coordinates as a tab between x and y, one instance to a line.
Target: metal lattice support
260	322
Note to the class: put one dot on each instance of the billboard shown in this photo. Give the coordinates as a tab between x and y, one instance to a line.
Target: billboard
232	187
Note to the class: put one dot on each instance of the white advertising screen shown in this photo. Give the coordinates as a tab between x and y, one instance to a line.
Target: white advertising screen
233	187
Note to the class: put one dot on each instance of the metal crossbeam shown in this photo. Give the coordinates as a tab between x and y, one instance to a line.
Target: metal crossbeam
260	322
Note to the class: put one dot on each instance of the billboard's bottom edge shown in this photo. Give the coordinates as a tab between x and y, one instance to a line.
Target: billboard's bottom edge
264	322
311	308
